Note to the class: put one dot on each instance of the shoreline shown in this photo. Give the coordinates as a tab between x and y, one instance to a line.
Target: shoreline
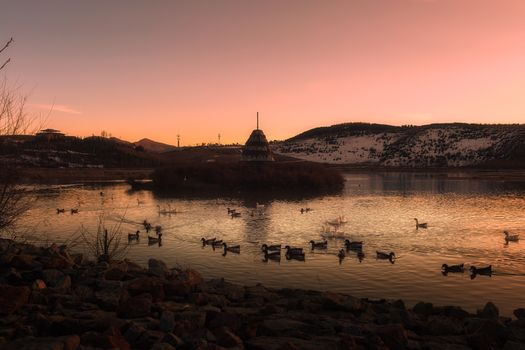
51	298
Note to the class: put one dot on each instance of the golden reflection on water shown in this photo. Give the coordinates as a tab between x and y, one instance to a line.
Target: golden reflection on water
466	219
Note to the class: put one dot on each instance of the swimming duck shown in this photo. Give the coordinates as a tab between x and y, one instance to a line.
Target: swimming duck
389	256
319	245
231	211
356	245
341	255
271	255
74	211
452	268
207	241
216	243
61	210
153	240
293	251
133	236
233	249
481	270
235	214
295	256
511	238
274	247
422	225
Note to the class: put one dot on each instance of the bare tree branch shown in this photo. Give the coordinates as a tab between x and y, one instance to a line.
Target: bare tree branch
7	45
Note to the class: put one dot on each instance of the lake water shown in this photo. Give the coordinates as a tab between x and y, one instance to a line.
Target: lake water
466	219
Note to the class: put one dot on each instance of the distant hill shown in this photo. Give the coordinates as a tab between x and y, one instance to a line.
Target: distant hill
154	146
434	145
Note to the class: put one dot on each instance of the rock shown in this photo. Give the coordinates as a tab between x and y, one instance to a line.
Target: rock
152	285
71	342
162	346
512	345
148	338
226	338
490	311
340	302
285	327
218	319
134	307
423	309
12	298
519	313
133	332
393	335
158	268
116	340
114	274
172	339
56	279
38	284
23	262
441	325
167	321
288	343
485	332
190	320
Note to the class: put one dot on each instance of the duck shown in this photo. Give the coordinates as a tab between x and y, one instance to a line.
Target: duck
356	245
231	211
235	214
60	210
481	270
274	247
74	211
216	243
422	225
207	241
295	256
133	236
152	240
145	223
233	249
511	238
275	256
341	254
452	268
319	245
389	256
293	251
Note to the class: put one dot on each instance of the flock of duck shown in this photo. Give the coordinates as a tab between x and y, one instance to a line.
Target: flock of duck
156	239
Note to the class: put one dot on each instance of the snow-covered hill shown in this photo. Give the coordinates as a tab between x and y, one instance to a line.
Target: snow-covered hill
452	145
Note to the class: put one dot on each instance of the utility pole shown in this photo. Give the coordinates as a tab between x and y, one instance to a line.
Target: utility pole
257	120
178	140
219	139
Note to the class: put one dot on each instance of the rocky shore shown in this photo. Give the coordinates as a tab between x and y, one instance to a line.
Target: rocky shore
53	299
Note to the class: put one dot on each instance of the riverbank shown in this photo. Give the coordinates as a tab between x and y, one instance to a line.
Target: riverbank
53	299
75	175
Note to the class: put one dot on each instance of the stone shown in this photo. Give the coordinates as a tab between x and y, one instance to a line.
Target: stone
490	311
173	340
55	278
423	309
167	321
116	340
285	327
393	335
114	274
12	298
70	342
135	307
483	332
39	284
441	325
23	262
225	337
162	346
519	313
133	332
512	345
340	302
152	285
158	268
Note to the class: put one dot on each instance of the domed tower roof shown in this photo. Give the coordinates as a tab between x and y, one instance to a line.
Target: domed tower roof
257	148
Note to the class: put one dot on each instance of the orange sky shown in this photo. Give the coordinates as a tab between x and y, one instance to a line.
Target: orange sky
198	68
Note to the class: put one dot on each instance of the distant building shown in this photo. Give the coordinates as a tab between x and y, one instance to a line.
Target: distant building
50	134
257	148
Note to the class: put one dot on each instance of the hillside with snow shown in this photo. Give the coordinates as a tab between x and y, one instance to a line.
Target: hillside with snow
447	145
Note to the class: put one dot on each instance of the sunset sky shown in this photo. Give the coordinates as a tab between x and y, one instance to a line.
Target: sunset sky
199	68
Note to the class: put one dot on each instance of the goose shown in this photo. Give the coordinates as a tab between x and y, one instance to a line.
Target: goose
74	211
511	238
293	251
452	268
295	256
389	256
235	214
133	236
61	210
216	243
207	241
356	245
270	255
266	248
422	225
319	245
152	240
231	211
233	249
341	255
481	270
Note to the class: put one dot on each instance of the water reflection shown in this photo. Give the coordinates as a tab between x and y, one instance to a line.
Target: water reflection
466	220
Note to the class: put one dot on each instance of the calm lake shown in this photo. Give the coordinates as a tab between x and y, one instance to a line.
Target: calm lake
466	219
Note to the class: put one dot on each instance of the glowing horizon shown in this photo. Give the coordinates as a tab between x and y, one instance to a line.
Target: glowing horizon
161	68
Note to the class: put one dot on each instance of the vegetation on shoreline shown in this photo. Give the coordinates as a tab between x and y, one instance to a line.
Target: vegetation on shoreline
248	177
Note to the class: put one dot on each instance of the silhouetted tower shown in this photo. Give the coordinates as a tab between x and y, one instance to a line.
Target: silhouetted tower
178	140
219	139
257	148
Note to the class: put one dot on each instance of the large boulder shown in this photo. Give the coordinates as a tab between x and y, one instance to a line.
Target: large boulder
12	298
